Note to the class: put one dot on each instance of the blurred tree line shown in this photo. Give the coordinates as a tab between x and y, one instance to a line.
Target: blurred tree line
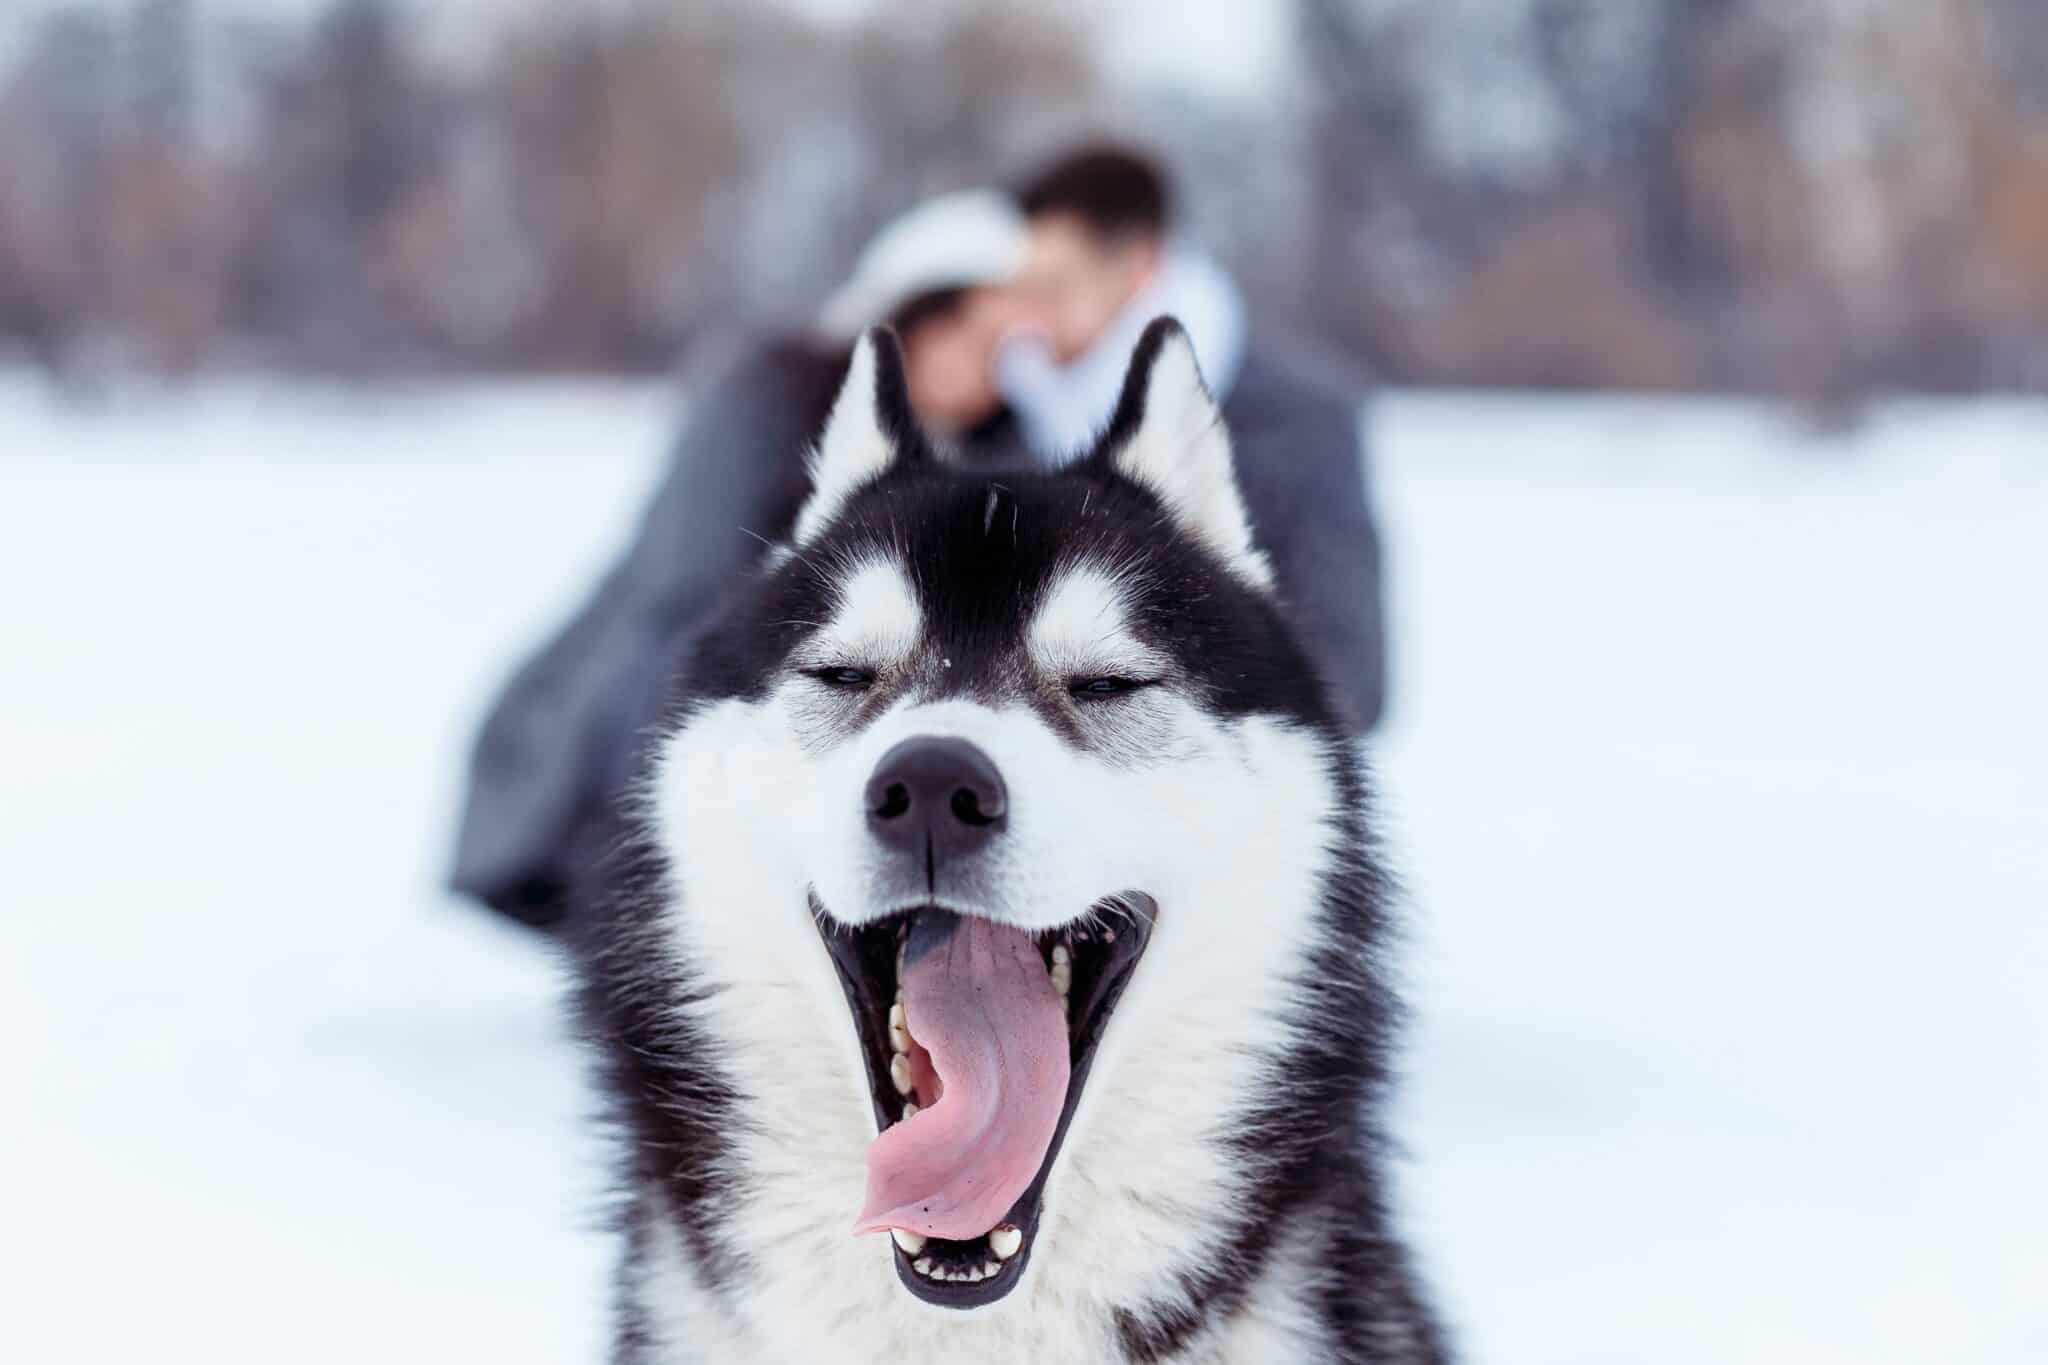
1824	197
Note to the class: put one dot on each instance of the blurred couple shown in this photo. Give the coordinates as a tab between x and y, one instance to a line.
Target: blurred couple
1017	312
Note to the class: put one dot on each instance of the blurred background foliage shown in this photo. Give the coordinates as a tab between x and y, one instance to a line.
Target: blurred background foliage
1821	198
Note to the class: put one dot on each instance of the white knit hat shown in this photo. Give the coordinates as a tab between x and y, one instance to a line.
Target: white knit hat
956	240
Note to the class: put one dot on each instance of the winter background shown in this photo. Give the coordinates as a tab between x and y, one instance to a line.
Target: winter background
1717	768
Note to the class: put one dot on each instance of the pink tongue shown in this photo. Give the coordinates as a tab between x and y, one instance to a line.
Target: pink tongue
981	1003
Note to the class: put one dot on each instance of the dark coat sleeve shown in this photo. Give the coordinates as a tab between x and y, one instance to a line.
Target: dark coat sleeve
567	729
1298	437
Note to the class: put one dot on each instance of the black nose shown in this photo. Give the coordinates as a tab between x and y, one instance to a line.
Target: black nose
936	796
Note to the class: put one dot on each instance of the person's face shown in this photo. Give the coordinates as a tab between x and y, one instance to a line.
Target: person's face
949	361
1073	283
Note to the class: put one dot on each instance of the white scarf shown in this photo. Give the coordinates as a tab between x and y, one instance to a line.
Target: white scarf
1060	409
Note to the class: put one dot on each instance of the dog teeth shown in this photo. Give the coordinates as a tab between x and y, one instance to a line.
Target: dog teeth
1060	954
1062	976
909	1241
899	1028
1005	1241
925	1266
899	1073
910	1110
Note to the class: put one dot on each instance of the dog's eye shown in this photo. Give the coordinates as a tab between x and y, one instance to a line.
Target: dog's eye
843	677
1099	689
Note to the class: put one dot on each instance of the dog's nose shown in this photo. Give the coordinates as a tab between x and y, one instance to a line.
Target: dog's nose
936	794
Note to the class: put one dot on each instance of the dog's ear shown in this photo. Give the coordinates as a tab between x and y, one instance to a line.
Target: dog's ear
871	428
1168	435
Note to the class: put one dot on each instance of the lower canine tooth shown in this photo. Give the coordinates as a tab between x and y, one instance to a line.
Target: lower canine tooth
1062	977
909	1241
899	1073
1005	1241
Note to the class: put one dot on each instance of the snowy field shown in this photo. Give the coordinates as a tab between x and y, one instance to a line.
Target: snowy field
1718	774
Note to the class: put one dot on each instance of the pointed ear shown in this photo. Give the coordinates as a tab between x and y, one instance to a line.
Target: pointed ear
1168	435
870	429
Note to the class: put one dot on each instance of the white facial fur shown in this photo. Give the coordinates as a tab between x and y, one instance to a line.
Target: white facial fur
1082	628
1226	824
876	621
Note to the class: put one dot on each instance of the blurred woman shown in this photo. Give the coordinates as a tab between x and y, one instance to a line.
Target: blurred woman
567	734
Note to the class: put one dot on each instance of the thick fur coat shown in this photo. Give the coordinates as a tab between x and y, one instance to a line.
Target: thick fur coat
1109	639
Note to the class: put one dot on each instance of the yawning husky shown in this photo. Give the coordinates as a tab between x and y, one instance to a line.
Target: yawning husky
994	972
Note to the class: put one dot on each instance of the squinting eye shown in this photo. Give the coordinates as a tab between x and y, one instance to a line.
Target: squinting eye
843	678
1096	689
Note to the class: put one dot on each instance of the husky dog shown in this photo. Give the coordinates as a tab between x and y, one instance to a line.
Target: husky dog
994	975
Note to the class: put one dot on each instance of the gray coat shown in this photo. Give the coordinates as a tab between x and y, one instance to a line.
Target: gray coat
567	733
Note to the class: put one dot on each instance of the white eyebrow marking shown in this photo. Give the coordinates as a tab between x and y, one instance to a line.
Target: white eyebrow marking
1083	626
877	620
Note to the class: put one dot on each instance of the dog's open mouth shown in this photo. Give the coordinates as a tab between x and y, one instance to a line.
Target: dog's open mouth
978	1038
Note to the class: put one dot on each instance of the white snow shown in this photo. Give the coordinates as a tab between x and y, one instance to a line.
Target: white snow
1718	775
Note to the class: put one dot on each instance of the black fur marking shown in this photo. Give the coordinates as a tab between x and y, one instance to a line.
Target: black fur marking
668	1094
633	1335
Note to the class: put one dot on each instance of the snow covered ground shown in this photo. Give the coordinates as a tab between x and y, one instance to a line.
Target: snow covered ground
1719	775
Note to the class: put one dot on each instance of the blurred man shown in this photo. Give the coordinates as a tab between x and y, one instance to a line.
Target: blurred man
565	736
1101	265
1102	262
